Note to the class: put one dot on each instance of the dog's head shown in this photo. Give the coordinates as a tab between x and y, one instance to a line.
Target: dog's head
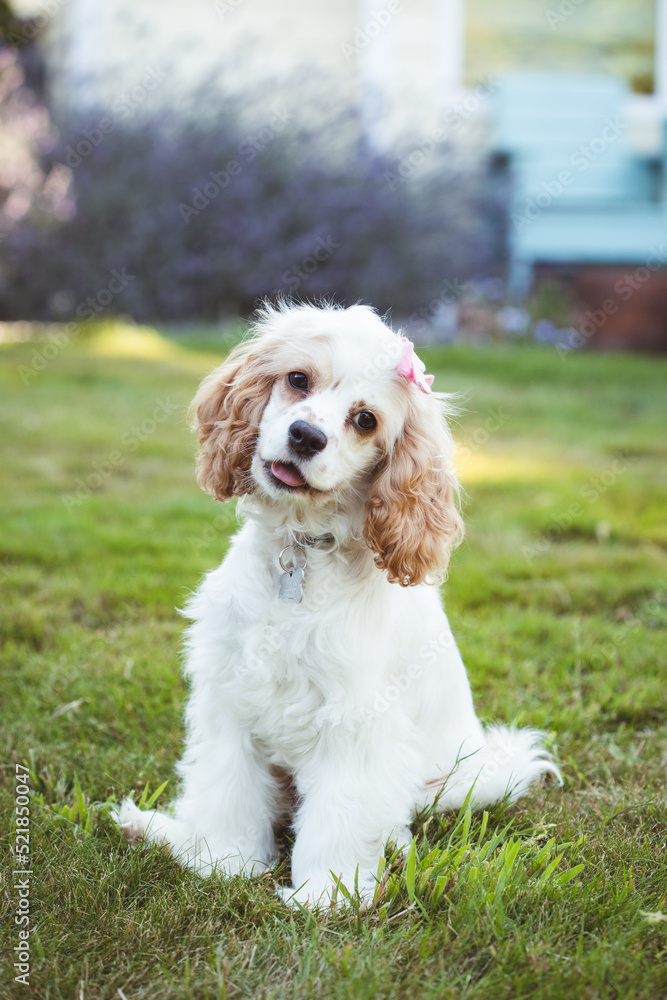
313	411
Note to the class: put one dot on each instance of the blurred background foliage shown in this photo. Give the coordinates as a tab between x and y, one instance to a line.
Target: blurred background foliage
146	199
95	181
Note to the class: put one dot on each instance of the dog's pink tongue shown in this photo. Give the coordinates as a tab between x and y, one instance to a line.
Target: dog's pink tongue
287	474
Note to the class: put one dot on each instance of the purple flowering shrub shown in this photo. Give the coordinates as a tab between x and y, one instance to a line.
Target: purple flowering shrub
205	214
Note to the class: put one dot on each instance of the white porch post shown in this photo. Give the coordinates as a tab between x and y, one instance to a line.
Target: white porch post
660	67
449	34
375	58
83	54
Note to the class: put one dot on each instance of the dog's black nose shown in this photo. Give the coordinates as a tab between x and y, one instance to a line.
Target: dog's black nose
304	439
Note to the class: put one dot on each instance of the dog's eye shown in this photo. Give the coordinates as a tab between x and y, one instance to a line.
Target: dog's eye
365	421
298	380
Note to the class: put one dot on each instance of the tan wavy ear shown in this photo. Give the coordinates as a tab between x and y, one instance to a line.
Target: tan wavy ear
412	519
227	411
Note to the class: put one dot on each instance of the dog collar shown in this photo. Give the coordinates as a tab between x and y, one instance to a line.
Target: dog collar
315	542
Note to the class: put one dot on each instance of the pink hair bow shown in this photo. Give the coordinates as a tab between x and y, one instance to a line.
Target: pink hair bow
412	367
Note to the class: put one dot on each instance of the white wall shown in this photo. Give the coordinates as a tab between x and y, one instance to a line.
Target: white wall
391	54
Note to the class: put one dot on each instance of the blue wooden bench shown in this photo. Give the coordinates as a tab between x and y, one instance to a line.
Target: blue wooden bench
578	193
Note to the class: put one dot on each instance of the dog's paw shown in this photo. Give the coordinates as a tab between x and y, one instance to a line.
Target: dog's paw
131	819
315	896
400	838
303	896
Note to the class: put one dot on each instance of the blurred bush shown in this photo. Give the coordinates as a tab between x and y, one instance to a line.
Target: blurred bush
208	207
33	189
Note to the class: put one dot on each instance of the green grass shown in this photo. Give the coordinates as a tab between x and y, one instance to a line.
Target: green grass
558	598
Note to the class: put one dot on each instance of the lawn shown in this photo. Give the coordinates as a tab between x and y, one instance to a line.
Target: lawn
558	598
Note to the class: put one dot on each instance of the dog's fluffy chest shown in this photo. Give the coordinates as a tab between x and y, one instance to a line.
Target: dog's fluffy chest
287	672
298	670
278	693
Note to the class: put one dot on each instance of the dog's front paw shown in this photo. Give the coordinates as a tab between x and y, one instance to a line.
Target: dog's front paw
318	895
400	839
312	899
294	897
131	819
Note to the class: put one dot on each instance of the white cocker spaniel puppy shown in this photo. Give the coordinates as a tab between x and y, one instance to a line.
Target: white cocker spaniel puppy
326	686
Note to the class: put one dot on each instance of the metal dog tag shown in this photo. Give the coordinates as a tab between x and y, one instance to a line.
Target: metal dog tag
290	585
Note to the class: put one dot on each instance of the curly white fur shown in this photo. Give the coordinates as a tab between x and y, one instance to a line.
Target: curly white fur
357	695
